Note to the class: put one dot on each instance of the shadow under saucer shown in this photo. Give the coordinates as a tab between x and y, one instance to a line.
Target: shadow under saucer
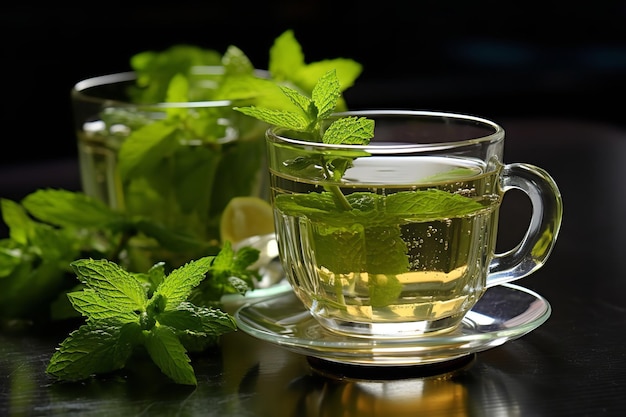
347	371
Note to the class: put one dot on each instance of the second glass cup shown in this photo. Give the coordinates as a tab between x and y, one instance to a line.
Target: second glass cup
176	164
403	243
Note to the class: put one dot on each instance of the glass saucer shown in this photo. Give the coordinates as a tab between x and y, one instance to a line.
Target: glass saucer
505	312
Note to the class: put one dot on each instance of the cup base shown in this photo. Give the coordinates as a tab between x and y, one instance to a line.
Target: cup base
346	371
398	330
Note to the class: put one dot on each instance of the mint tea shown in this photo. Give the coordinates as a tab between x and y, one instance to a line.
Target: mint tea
407	254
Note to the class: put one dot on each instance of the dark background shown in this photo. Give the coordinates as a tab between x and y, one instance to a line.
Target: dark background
499	60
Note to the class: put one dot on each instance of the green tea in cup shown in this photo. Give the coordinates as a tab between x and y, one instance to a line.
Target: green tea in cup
176	165
396	237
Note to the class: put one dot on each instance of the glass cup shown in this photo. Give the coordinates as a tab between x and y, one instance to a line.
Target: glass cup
176	165
403	243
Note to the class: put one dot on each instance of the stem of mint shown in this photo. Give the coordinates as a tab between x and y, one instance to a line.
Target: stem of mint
341	200
314	113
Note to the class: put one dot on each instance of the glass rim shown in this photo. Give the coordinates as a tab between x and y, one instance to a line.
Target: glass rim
273	133
81	88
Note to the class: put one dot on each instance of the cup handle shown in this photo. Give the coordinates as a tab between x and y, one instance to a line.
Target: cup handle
547	212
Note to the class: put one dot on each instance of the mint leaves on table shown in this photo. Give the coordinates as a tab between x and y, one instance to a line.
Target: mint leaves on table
52	228
169	315
123	313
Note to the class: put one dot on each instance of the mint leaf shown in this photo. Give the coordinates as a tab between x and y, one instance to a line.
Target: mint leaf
34	261
290	120
145	148
349	131
93	349
229	274
347	70
375	250
325	94
177	92
197	327
70	209
30	278
155	69
240	261
302	102
170	355
16	218
177	287
386	252
200	321
286	57
229	263
374	209
153	278
90	304
430	204
236	62
246	89
10	258
115	286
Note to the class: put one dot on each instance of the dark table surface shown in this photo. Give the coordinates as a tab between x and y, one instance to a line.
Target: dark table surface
572	365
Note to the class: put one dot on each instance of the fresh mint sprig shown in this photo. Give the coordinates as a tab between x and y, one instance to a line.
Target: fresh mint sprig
311	121
122	314
312	114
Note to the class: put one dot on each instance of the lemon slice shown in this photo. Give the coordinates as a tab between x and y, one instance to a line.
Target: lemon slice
245	217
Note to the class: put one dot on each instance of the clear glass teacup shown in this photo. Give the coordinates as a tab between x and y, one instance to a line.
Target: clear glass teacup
403	243
175	164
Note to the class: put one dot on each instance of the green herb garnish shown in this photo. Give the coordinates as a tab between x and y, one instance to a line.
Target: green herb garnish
122	315
311	122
